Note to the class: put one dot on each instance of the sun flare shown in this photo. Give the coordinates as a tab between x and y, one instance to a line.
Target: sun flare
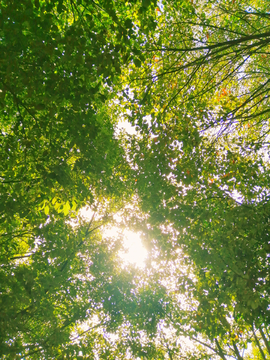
134	251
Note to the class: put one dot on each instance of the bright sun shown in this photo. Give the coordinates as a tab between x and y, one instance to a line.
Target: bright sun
135	253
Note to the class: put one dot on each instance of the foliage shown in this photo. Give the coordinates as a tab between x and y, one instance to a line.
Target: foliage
193	78
201	158
60	67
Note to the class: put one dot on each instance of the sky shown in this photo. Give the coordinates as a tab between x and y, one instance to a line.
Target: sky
135	253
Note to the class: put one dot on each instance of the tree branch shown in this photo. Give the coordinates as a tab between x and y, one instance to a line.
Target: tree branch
258	343
266	342
222	45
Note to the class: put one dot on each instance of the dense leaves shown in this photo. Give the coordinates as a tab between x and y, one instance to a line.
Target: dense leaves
60	65
199	103
193	78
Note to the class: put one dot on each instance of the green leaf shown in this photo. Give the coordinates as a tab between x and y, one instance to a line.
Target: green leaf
66	208
137	62
46	210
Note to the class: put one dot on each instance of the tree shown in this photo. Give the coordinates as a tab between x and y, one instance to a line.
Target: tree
193	78
210	58
60	66
199	104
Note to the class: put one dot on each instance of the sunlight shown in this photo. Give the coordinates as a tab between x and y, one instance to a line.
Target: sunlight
135	253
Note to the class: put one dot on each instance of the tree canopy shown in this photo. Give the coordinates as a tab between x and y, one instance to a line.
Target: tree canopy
192	78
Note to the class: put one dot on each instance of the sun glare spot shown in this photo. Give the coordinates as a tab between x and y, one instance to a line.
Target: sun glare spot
134	251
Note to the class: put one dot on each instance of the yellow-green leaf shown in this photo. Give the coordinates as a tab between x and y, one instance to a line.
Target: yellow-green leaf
66	208
46	210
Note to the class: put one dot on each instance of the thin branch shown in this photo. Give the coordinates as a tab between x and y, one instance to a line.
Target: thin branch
239	357
86	331
204	344
167	347
220	351
258	343
266	342
18	101
17	181
222	45
21	256
34	352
